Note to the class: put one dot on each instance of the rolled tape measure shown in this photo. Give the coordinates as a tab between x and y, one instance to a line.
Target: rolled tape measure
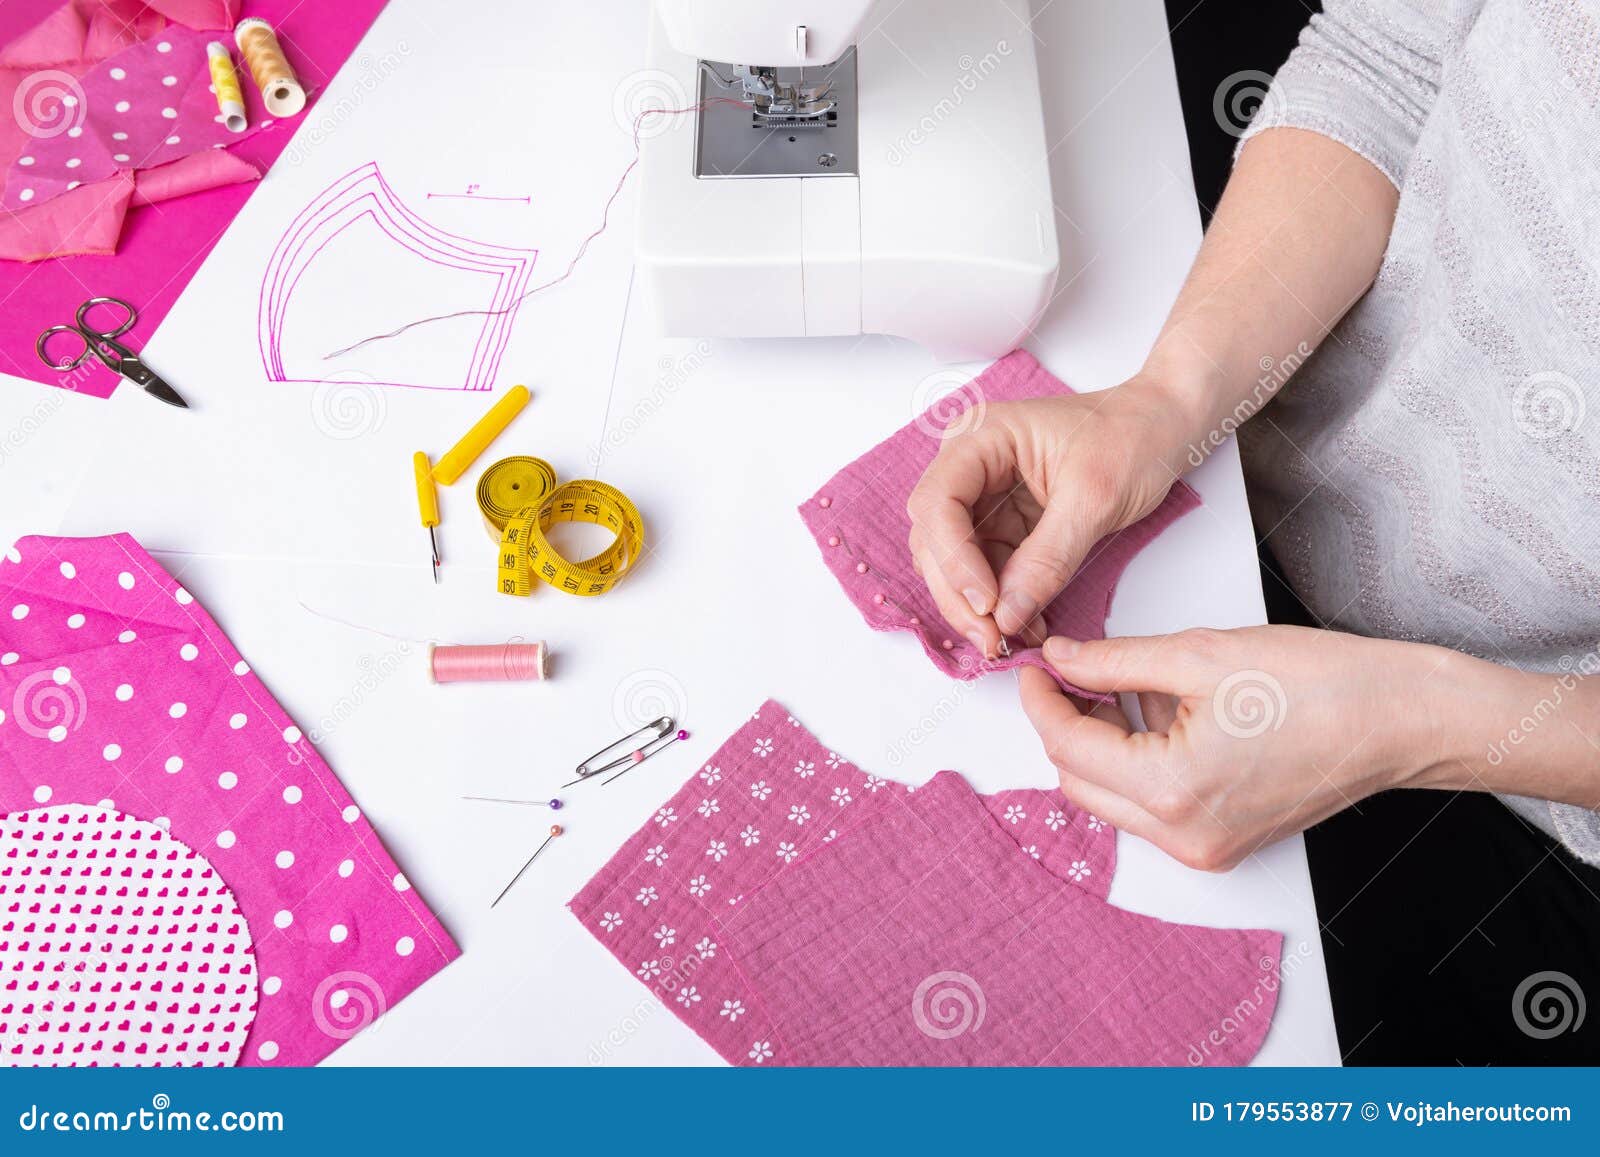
525	553
510	484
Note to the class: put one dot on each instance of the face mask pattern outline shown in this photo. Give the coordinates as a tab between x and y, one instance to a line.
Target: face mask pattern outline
361	195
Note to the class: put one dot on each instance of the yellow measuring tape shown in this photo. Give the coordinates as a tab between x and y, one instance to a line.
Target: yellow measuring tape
510	484
519	498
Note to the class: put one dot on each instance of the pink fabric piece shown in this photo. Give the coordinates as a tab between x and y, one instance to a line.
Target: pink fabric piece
859	520
148	105
117	686
924	937
119	945
157	252
768	796
220	15
194	174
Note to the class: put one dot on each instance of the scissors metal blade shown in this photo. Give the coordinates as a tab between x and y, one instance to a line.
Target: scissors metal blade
142	375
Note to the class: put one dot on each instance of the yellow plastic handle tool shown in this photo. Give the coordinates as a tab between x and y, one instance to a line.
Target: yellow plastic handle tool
476	440
427	496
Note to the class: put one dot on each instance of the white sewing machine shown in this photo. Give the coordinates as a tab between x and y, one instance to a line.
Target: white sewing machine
846	167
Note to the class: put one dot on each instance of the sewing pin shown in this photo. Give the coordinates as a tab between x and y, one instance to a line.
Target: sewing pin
655	729
646	752
553	804
1005	648
555	830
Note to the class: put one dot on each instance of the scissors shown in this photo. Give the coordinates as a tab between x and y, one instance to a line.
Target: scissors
102	344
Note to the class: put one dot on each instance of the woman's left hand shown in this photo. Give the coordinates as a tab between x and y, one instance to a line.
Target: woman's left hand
1253	734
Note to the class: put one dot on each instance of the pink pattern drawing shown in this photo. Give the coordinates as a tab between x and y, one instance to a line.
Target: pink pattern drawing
491	280
119	945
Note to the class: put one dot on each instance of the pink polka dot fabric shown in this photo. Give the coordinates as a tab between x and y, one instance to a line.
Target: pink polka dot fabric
116	686
860	523
148	105
745	868
119	945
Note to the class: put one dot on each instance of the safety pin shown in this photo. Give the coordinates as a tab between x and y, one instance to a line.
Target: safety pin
655	729
645	753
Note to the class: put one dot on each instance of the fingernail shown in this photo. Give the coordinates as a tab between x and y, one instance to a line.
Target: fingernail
1059	648
976	600
977	640
1021	607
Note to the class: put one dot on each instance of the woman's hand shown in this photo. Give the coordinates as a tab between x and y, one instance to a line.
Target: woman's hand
1011	504
1254	734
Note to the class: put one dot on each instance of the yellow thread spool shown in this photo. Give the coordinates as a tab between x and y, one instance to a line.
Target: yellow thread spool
270	69
225	83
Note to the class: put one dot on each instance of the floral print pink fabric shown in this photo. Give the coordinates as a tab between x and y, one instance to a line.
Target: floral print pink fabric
744	872
859	520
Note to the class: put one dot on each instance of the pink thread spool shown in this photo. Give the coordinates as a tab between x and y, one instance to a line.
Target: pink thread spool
497	663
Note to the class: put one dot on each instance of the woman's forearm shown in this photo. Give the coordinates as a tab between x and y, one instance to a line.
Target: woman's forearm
1296	240
1514	732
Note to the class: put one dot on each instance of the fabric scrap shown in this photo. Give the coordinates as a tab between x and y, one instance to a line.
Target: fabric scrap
148	105
119	945
771	794
923	937
859	520
118	690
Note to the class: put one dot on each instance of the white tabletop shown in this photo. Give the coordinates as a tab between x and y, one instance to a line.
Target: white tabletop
251	501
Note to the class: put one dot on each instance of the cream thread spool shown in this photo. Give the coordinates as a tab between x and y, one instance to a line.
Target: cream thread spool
269	68
225	83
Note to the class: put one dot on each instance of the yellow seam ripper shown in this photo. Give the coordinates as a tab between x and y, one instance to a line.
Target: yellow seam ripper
427	503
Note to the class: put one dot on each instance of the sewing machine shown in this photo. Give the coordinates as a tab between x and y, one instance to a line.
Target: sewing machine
843	167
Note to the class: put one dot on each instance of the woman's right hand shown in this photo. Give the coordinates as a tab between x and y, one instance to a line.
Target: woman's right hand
1014	500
